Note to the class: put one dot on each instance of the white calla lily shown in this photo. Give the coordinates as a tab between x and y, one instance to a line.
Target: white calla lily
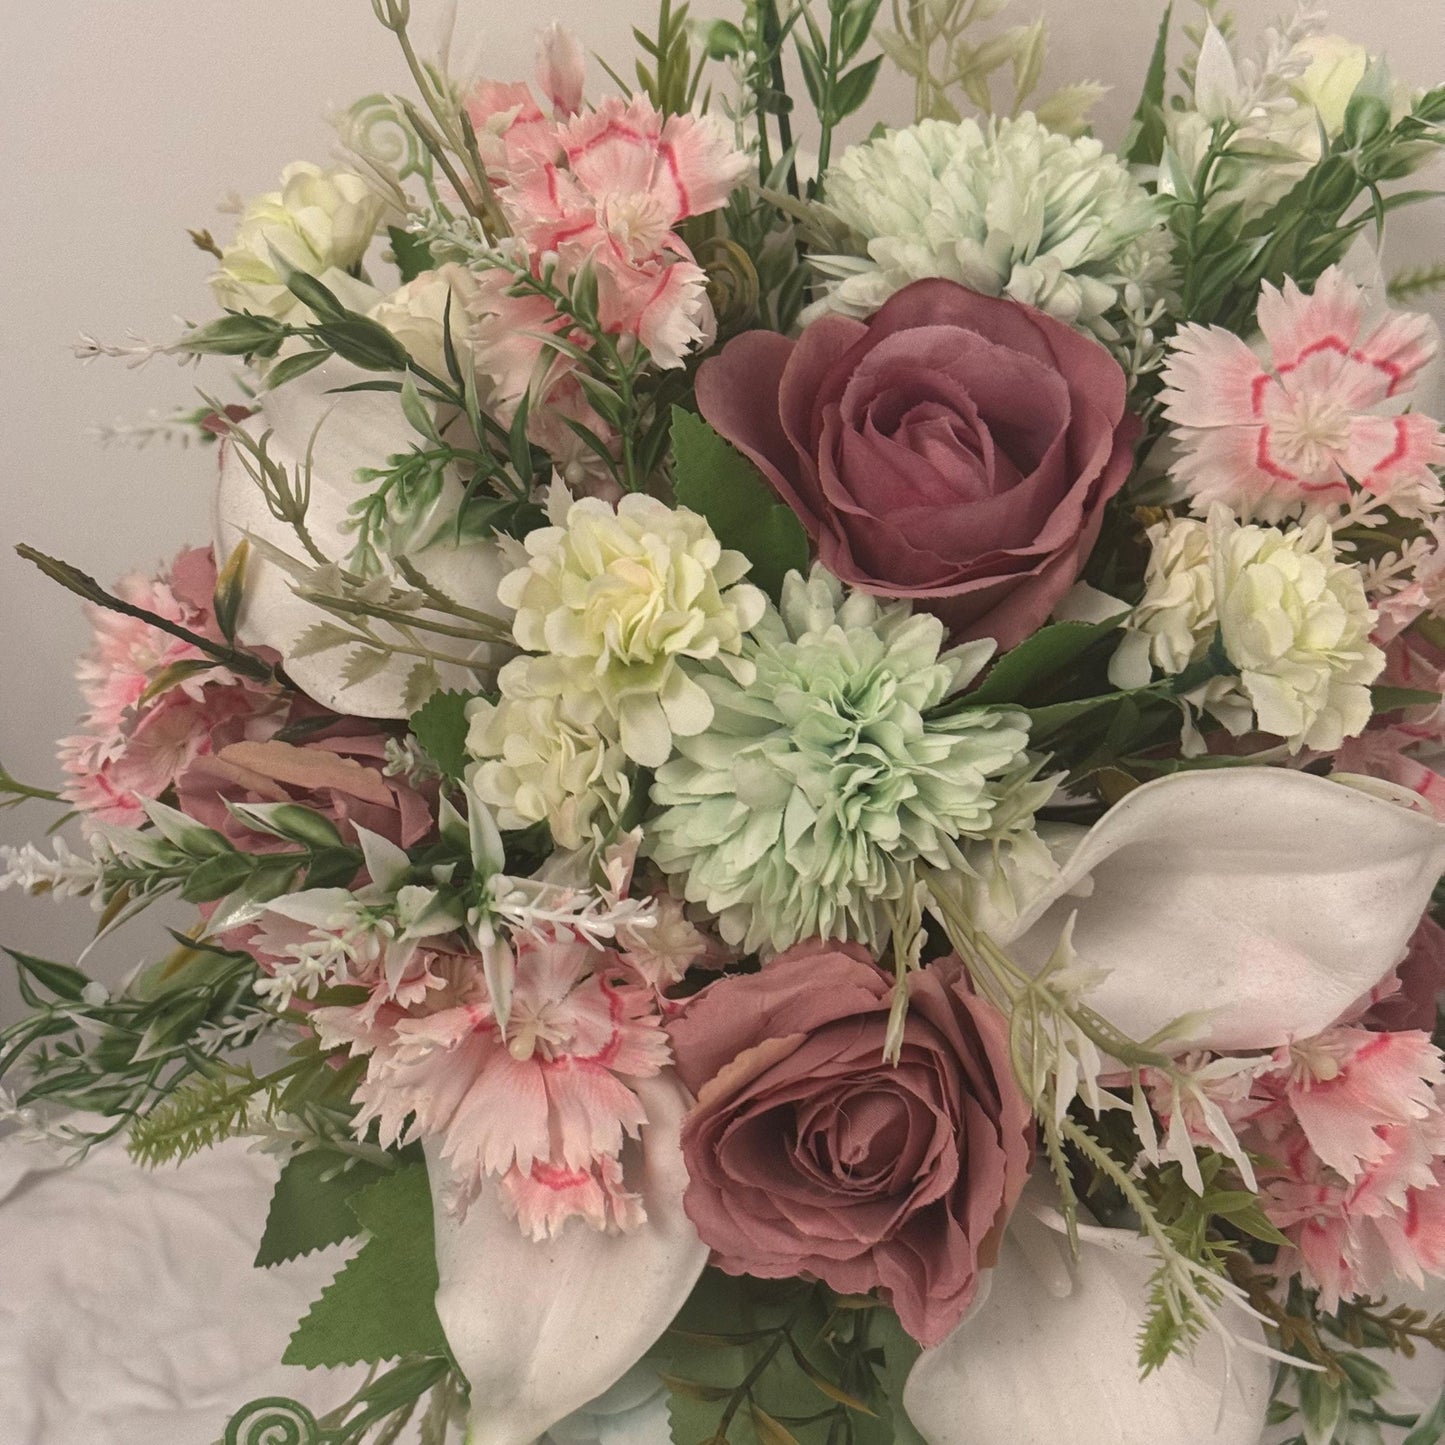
633	1412
342	432
542	1329
1258	902
1052	1354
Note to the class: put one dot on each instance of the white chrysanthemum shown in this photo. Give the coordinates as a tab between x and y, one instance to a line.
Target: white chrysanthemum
1289	621
618	601
799	812
320	222
1007	210
1175	621
546	759
1296	623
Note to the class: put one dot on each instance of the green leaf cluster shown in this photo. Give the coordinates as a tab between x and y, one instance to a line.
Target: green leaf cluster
382	1304
440	727
759	1362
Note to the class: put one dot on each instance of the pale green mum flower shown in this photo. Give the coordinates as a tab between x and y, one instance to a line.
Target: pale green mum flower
623	604
1008	209
800	811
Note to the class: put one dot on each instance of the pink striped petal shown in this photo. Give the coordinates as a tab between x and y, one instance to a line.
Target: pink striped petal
1212	379
1299	326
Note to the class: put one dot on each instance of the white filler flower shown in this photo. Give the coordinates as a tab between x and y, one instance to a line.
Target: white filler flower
1010	209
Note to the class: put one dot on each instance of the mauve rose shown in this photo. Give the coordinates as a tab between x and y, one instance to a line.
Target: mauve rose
808	1154
957	449
1422	981
339	777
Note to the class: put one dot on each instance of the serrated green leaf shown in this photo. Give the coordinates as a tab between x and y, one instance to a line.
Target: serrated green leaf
311	1205
715	480
383	1302
363	662
441	728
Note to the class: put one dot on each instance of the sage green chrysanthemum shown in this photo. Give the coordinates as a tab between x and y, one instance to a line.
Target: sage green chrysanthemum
799	811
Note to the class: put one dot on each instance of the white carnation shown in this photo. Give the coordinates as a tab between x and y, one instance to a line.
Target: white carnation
1289	621
1296	623
1008	210
320	222
546	759
420	314
618	601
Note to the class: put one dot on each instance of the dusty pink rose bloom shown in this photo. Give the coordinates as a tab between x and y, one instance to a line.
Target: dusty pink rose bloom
339	777
956	449
808	1154
1419	980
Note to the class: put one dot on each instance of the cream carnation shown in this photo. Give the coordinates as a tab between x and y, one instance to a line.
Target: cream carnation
546	759
1173	625
1008	210
1295	621
1288	621
320	222
619	601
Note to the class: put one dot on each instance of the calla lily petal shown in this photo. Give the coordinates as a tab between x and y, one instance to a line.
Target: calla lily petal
1034	1366
1262	900
343	432
540	1329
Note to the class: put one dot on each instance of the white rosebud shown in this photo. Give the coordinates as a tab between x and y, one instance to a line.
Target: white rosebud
618	600
1218	94
1296	623
418	316
320	222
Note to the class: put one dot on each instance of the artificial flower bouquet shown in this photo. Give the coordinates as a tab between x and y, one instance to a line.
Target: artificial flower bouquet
810	775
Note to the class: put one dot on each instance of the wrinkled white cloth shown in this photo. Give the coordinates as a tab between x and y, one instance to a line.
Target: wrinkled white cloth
130	1310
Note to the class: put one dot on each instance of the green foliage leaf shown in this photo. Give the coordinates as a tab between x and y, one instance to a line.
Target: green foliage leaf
717	481
440	726
1037	660
311	1205
1147	135
854	87
413	255
1389	699
238	334
1430	1428
383	1302
297	364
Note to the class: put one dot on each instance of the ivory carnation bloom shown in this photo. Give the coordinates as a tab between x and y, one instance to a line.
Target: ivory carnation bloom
1010	209
1174	622
320	222
618	601
1295	621
419	314
1290	620
552	759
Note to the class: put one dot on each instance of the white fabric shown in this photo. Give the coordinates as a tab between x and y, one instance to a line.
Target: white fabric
130	1311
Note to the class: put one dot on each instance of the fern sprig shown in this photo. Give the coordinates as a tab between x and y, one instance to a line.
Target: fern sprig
204	1112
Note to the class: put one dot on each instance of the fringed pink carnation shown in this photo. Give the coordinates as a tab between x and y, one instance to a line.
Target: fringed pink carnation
547	1108
135	745
1350	1130
1322	410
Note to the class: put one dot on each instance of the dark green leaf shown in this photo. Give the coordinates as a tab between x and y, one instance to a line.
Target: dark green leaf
383	1302
441	729
1038	659
1430	1428
717	481
813	77
217	877
239	334
297	364
364	343
1389	699
321	301
1147	132
854	87
59	979
311	1205
857	25
413	255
